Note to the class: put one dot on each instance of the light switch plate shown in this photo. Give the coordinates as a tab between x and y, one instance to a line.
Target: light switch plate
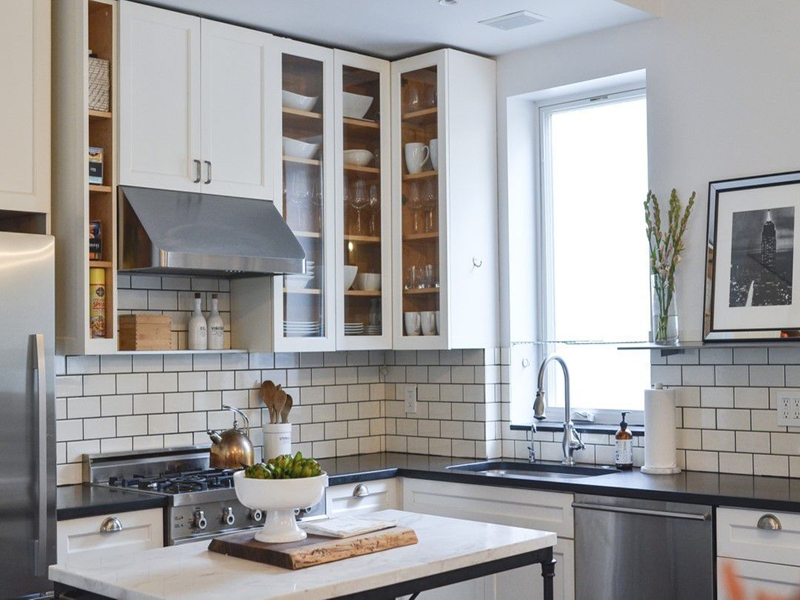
788	407
411	398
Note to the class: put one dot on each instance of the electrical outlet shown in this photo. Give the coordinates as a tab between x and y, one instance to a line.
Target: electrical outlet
411	398
788	407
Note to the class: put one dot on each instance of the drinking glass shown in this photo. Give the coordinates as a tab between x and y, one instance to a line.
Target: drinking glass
411	277
429	201
374	204
415	205
359	201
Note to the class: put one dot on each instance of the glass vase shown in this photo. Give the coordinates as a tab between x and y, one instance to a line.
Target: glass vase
663	313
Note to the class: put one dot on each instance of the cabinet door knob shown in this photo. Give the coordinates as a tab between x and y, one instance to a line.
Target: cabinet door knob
477	262
110	525
360	491
197	169
769	522
208	171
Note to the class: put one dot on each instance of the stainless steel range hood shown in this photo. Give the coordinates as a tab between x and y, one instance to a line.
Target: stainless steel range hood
184	233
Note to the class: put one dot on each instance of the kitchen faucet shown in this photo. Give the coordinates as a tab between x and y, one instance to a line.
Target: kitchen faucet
571	440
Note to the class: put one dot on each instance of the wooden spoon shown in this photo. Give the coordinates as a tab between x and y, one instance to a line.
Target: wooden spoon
286	408
278	402
268	391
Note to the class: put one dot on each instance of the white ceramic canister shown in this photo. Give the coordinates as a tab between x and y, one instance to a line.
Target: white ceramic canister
277	439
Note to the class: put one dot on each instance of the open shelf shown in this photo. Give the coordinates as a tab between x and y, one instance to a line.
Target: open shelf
425	116
361	123
101	189
302	113
420	175
421	291
98	115
364	239
302	161
358	169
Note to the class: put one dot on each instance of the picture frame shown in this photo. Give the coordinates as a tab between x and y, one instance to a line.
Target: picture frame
753	259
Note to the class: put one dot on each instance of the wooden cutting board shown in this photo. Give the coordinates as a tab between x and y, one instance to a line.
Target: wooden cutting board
314	550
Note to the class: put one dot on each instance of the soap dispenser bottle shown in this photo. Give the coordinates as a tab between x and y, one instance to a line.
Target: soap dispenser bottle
623	447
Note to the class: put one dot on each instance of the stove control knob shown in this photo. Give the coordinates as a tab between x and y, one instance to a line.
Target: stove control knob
200	519
227	516
256	515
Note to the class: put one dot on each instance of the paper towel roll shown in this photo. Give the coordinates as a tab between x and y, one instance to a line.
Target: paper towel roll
659	433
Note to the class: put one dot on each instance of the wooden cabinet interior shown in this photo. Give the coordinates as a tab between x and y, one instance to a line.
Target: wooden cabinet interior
420	213
363	244
102	197
303	202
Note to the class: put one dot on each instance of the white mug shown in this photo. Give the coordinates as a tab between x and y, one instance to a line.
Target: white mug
438	329
412	321
434	152
428	321
416	155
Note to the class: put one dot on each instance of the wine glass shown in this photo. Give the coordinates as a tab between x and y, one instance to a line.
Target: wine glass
429	202
415	205
359	201
374	208
298	193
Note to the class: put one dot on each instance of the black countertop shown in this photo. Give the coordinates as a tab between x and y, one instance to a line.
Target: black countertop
745	491
84	500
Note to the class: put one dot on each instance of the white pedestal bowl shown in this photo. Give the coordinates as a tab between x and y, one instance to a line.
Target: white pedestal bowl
278	499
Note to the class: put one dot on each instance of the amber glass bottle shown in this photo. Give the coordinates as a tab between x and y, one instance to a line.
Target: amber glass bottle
623	451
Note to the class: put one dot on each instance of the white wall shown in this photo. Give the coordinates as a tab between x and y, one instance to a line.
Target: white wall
723	90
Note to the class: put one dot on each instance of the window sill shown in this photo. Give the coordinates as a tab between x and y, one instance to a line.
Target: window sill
552	426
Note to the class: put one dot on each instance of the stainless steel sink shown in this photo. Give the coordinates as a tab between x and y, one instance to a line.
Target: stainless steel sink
520	470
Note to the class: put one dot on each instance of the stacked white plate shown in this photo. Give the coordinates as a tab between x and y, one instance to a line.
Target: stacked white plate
297	281
302	328
372	330
354	329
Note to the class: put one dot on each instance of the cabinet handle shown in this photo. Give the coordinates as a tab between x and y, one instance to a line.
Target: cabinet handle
770	523
111	525
360	491
208	171
477	262
197	168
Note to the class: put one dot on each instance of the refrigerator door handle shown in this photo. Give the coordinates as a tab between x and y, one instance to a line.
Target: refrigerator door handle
40	543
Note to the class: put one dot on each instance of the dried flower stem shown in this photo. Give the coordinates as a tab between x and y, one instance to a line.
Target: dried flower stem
665	251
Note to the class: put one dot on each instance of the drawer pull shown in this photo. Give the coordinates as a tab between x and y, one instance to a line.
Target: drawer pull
111	525
360	491
770	523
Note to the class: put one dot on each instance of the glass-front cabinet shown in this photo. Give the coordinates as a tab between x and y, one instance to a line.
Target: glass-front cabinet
303	303
444	211
363	213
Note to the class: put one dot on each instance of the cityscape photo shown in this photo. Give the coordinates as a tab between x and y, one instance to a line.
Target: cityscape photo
762	255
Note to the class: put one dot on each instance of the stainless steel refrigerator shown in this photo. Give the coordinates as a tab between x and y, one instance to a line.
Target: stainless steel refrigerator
27	414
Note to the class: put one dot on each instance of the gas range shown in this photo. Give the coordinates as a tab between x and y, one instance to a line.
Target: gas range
202	502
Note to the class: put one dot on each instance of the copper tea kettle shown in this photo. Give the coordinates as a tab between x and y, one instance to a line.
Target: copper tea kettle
231	449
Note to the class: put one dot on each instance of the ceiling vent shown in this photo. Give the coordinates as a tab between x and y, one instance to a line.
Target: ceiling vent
515	20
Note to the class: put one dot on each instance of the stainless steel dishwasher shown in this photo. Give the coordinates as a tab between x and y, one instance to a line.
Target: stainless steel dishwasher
644	549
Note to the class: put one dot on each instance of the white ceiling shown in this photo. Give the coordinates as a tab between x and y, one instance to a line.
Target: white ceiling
396	28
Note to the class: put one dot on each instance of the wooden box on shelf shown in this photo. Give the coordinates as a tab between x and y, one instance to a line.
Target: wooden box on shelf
145	332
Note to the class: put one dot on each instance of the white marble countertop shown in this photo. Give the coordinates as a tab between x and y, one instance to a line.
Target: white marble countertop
192	572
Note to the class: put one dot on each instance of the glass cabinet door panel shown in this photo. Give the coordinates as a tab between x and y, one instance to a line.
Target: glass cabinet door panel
362	192
304	298
420	202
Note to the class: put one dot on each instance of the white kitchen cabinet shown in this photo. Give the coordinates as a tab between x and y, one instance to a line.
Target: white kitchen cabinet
77	27
445	218
363	202
90	539
25	107
193	104
547	511
765	559
353	499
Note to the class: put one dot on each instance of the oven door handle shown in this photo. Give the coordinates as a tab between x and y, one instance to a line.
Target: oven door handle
643	511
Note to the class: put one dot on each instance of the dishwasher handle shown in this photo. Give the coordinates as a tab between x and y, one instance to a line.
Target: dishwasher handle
643	511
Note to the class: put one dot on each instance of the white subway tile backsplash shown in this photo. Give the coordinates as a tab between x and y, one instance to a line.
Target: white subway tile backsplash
82	407
751	397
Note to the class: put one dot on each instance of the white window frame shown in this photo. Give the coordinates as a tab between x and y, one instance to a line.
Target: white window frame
544	233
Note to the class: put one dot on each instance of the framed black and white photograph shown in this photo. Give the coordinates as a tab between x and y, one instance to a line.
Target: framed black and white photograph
753	265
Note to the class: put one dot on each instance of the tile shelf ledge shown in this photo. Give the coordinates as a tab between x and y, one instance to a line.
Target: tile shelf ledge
682	347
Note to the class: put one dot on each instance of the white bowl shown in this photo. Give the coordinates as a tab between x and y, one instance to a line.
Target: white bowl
298	102
358	157
279	498
299	148
349	275
297	282
368	281
355	106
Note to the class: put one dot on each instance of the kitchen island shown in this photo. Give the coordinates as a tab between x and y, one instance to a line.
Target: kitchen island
449	550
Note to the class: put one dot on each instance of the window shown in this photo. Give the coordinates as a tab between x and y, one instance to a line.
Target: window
593	255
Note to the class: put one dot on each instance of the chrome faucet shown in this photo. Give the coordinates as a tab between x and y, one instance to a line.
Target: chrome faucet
571	440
